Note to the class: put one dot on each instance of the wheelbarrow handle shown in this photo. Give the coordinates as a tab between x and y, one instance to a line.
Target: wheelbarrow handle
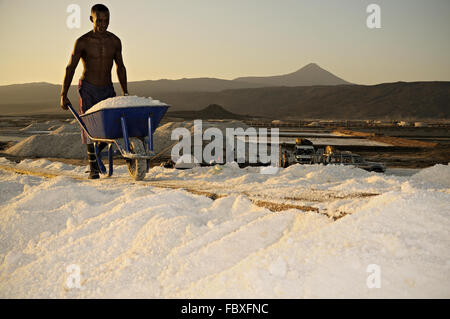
78	118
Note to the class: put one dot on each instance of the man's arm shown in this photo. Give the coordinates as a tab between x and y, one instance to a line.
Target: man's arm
70	71
121	71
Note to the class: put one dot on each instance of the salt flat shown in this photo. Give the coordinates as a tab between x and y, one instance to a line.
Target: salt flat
132	239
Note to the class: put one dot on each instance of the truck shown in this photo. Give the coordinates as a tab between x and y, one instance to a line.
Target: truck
331	156
304	151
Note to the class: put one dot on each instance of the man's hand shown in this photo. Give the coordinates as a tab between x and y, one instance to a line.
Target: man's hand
64	102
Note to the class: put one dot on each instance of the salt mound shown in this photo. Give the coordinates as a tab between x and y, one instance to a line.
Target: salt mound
37	127
124	101
67	128
53	122
66	145
65	142
437	176
42	126
162	135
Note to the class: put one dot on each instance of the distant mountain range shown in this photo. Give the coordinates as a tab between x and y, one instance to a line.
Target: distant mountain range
311	74
310	92
399	100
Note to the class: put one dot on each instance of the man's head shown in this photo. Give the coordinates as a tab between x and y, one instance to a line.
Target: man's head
100	18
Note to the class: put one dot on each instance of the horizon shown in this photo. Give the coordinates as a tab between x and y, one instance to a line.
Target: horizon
165	79
235	39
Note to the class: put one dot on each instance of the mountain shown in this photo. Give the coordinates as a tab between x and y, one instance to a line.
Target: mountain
29	92
19	98
243	96
399	100
186	85
311	74
212	111
30	98
44	97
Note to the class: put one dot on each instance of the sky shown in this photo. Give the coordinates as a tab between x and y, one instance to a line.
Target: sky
173	39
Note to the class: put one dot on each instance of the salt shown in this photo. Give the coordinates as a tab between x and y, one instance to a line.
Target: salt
124	101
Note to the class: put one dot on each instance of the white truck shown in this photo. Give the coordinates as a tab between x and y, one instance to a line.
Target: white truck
349	158
304	151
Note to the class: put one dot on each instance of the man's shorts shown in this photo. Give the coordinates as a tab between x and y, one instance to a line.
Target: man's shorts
89	96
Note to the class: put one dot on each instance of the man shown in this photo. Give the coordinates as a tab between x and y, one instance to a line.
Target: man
98	49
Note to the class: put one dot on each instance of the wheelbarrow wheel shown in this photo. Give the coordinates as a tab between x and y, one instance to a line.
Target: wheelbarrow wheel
137	167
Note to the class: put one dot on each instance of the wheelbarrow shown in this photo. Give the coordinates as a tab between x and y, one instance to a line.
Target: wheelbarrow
135	125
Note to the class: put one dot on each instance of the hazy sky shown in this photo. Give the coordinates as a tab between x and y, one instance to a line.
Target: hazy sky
230	38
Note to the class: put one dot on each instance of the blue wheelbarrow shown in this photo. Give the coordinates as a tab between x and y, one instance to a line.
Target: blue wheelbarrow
135	125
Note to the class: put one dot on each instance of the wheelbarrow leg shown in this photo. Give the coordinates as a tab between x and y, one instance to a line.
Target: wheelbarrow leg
99	158
150	134
110	159
125	134
150	139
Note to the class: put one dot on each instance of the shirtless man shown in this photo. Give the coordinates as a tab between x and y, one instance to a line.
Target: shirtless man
98	49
